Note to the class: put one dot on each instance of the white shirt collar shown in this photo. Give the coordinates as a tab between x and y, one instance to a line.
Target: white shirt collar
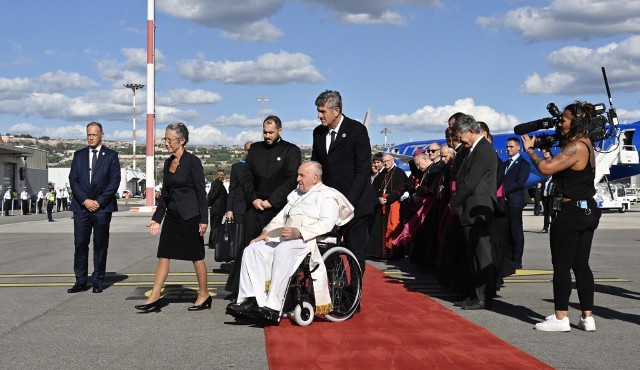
476	142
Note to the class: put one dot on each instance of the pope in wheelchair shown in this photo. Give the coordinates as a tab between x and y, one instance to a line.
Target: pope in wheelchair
270	260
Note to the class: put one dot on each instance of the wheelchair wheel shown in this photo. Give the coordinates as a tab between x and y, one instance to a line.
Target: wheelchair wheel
303	314
345	282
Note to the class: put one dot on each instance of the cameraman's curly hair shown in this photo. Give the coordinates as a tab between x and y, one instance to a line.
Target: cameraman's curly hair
582	112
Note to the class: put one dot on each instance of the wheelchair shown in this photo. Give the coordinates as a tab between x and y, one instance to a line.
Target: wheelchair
345	286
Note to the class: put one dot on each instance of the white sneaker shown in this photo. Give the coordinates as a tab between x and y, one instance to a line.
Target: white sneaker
551	323
587	323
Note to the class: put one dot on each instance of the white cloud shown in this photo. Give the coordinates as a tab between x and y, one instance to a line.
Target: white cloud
59	81
237	120
239	20
23	128
250	20
388	17
184	96
434	119
268	68
372	11
577	70
132	70
568	19
66	132
209	135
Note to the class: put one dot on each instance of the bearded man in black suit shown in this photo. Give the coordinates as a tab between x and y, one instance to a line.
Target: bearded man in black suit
341	145
474	203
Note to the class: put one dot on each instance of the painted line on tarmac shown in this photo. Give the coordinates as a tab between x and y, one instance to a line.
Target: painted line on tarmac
10	276
600	280
132	283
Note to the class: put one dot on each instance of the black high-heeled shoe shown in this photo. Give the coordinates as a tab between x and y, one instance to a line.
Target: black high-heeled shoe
153	306
205	305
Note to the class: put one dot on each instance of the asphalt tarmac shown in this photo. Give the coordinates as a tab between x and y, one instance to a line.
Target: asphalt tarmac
42	326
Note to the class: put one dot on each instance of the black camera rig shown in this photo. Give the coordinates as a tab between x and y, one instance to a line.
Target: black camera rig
599	129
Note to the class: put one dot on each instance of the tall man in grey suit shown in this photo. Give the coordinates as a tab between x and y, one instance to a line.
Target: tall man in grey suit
341	145
94	180
474	202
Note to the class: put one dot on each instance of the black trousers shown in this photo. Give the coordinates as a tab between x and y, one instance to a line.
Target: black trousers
517	234
356	237
546	202
84	224
40	201
7	206
571	236
25	206
50	211
478	255
233	281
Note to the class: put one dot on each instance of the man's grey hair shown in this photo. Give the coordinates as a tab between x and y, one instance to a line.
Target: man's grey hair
466	123
331	98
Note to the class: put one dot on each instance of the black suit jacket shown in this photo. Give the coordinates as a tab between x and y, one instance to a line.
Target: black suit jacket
514	181
476	186
239	180
217	198
347	165
188	190
104	182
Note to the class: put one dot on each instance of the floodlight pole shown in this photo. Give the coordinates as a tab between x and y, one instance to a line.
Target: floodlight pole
261	100
385	131
133	88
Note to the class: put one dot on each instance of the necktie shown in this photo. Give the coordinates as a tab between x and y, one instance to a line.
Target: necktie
94	160
333	138
508	166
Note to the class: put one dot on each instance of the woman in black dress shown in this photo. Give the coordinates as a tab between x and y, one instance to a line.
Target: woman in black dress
183	207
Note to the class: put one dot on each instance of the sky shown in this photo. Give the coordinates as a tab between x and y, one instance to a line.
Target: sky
413	63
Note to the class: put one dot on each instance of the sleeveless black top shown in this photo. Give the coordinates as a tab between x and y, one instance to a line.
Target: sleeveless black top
576	185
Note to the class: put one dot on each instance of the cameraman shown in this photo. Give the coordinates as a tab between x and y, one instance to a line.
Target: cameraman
576	214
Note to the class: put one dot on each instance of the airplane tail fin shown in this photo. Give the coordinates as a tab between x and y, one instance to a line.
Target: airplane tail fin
367	118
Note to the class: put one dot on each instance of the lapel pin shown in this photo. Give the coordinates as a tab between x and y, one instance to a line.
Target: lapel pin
278	158
344	135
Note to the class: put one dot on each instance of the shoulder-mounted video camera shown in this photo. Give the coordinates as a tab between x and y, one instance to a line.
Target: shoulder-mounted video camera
598	129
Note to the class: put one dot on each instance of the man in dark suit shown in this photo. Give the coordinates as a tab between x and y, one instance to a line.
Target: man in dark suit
240	178
473	202
273	166
515	177
341	145
94	180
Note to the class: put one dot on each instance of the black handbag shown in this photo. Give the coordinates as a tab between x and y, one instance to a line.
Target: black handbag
226	245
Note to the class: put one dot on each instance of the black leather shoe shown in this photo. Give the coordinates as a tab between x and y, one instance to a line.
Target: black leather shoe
149	307
204	306
247	305
97	288
474	305
265	313
77	288
462	302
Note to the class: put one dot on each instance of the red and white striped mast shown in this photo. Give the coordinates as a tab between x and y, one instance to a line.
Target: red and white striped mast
151	90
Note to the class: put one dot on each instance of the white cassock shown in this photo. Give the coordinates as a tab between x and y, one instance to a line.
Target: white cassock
267	266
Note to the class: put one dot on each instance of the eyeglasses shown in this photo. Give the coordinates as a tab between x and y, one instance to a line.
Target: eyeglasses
169	140
433	150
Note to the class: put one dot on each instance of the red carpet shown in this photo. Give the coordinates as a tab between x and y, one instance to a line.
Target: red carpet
397	329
